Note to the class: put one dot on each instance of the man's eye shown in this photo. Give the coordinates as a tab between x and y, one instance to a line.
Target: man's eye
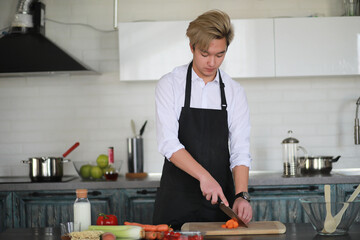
220	55
204	54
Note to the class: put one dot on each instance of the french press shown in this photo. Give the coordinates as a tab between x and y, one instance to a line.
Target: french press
290	147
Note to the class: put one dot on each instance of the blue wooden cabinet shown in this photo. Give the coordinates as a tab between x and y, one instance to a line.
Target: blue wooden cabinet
5	210
50	208
138	205
281	203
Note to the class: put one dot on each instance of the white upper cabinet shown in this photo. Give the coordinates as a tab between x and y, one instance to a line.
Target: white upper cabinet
317	46
261	48
148	50
251	54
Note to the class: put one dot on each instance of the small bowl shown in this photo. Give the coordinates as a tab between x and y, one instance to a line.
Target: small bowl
315	208
86	172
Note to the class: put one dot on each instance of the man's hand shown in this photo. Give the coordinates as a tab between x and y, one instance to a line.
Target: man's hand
212	190
243	209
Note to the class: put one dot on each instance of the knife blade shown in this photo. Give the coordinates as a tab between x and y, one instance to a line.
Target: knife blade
228	211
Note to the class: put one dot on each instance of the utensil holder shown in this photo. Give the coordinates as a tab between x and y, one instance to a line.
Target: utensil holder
135	152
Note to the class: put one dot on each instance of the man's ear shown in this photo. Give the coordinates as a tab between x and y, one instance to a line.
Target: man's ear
192	48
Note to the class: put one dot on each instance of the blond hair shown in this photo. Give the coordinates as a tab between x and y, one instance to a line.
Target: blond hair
213	24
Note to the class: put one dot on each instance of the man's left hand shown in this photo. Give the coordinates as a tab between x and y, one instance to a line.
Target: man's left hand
243	209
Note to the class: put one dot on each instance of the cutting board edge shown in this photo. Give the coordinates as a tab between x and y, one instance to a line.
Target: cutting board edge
280	228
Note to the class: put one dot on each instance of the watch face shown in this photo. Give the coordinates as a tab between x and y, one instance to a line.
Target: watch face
246	195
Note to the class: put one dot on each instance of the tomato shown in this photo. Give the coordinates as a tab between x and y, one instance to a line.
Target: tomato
106	219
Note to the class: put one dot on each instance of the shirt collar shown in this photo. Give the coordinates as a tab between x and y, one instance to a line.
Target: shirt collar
195	77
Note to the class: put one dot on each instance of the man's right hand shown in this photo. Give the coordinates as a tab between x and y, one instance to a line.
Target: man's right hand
211	189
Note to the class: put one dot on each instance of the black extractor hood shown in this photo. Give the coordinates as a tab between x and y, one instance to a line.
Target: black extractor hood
25	50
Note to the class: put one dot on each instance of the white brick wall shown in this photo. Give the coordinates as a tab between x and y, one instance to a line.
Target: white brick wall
46	115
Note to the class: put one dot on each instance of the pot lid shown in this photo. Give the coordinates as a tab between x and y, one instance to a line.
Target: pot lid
290	139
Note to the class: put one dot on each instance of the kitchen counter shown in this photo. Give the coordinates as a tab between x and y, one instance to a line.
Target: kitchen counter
257	178
298	231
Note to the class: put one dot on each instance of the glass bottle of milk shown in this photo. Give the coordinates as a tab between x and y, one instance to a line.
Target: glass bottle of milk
82	211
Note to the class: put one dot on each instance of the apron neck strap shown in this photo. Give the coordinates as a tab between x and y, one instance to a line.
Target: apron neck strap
188	89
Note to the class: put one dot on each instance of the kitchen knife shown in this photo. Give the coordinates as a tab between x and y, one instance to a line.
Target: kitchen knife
228	211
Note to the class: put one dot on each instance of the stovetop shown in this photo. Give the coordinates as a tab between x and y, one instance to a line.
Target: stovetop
26	179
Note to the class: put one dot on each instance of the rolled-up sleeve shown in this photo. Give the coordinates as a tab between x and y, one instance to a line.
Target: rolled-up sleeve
239	129
167	124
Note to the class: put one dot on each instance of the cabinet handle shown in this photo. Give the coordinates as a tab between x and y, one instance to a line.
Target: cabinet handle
144	192
309	188
41	194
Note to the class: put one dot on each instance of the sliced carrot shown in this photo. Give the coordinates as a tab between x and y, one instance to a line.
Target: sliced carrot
223	225
236	224
159	235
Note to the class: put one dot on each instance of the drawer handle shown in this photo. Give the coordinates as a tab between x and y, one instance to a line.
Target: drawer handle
39	194
144	192
310	188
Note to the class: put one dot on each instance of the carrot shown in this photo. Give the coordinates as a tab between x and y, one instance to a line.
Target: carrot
133	224
150	235
230	223
162	228
223	225
149	228
159	235
236	224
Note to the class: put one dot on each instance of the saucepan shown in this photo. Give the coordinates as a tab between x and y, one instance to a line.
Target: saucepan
48	169
313	165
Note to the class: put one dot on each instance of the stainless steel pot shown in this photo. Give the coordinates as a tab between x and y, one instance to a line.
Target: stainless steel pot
316	165
46	169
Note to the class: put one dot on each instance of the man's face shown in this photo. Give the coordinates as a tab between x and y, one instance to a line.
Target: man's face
207	61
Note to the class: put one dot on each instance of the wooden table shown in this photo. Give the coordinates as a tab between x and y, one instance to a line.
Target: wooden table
294	231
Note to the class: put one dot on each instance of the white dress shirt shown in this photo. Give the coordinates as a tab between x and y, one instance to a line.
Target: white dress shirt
170	96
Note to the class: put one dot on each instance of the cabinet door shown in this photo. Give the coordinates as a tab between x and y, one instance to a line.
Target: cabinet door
139	205
251	53
148	50
49	208
5	211
317	46
281	203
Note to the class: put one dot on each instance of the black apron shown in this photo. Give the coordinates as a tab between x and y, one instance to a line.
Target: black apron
204	133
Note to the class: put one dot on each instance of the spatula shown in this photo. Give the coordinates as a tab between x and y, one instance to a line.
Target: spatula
339	215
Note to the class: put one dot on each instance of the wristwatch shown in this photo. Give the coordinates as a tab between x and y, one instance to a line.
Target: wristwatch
244	195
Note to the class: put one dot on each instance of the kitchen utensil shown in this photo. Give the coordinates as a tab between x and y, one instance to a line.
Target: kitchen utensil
329	224
290	149
46	169
340	214
214	228
143	128
71	149
228	211
312	165
135	154
315	208
133	128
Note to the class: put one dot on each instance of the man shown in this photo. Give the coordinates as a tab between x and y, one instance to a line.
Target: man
201	113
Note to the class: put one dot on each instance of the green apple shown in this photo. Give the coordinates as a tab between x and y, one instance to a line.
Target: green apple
96	172
102	161
85	170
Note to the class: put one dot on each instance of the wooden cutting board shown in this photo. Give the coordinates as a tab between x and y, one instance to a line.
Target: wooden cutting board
214	228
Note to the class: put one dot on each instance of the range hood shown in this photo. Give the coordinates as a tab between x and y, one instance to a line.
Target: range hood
25	50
